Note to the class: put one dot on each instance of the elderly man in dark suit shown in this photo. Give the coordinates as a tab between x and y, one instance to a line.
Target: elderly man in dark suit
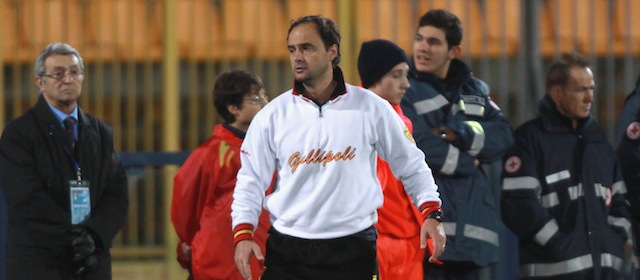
65	187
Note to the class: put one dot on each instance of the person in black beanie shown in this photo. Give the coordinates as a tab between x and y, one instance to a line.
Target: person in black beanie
383	68
377	58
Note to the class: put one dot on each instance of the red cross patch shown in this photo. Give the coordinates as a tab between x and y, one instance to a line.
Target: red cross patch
512	164
633	130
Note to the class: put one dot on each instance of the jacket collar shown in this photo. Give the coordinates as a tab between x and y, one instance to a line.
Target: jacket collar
555	122
235	131
44	113
458	74
338	77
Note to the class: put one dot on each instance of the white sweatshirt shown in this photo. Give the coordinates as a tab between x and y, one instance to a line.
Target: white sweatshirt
326	162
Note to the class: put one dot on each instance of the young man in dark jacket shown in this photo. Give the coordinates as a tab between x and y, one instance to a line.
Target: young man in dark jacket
458	127
64	185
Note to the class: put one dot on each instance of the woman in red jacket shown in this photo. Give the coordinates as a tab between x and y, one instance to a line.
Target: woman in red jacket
203	187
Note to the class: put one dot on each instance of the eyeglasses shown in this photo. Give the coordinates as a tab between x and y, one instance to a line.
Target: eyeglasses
257	99
61	75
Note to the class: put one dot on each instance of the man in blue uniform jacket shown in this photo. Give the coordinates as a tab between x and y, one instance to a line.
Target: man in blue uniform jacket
563	195
628	150
458	128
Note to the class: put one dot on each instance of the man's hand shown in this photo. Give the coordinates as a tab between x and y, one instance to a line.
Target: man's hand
186	251
245	249
434	230
83	249
184	256
444	133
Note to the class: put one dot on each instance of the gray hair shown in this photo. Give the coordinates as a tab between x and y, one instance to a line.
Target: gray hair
55	48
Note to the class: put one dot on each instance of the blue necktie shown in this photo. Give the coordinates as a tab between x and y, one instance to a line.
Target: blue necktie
69	123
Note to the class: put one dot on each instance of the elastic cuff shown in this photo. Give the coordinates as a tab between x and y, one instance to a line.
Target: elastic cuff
242	232
429	207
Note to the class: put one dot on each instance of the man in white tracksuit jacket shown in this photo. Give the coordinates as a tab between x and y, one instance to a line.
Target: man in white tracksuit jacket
322	137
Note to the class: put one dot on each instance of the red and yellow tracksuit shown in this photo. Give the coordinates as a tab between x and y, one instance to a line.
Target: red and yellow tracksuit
201	208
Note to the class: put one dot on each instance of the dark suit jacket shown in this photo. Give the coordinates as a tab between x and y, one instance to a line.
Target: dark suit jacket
4	223
34	173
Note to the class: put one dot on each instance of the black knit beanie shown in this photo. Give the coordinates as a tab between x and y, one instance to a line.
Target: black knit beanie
377	57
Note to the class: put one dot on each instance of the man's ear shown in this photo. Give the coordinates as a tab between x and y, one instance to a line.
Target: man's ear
40	82
555	91
333	52
455	52
234	110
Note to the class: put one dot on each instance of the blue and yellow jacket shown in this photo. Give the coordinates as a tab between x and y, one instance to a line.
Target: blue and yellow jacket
461	102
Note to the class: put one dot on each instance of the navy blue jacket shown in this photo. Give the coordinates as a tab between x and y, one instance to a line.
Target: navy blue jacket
628	146
4	225
462	103
563	196
628	150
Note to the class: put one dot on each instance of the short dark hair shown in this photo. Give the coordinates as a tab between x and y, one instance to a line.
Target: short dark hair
560	70
445	20
328	30
230	88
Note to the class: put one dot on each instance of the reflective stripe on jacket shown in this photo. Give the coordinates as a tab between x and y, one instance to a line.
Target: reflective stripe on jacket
461	102
564	198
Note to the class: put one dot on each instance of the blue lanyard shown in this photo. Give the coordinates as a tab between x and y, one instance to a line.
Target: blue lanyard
74	160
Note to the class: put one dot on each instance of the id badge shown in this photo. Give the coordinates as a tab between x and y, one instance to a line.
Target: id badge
80	200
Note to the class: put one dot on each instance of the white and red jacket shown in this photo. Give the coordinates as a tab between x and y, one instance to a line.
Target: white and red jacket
325	157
